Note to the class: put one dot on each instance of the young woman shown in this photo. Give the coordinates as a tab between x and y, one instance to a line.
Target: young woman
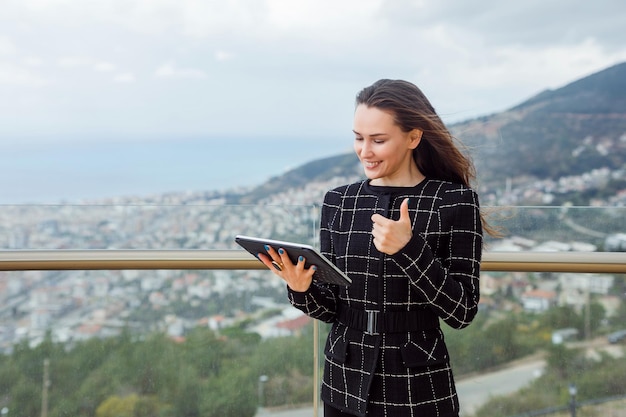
410	238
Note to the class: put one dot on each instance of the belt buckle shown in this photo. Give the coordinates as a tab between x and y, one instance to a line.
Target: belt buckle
372	322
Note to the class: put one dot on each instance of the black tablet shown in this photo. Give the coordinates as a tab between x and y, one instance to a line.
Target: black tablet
326	270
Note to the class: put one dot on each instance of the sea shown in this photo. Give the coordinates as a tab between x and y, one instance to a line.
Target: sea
75	172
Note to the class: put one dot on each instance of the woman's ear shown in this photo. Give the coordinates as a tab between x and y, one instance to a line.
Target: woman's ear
415	137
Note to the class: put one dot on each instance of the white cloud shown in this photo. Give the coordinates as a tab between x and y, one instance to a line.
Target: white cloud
554	66
237	18
324	16
309	56
528	69
222	56
15	72
71	62
104	66
7	47
127	77
170	70
41	5
33	62
15	76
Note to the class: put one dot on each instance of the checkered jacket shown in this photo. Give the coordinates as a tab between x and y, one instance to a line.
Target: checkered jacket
436	273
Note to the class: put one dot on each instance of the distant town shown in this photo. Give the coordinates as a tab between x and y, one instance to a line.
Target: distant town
76	305
528	191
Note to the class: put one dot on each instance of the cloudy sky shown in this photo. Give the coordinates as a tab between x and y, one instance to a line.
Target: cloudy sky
100	70
156	68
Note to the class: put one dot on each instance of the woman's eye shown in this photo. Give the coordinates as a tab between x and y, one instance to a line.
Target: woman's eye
379	141
358	138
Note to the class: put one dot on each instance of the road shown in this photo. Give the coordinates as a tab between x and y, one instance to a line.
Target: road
476	390
473	391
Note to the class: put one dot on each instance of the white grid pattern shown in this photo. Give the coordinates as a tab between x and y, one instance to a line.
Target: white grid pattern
437	272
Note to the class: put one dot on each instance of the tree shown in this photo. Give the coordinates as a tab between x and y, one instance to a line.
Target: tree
187	400
596	316
155	365
147	407
205	351
619	319
561	360
233	394
115	406
562	317
25	399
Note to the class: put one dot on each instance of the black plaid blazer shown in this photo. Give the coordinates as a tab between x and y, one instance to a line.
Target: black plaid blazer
396	373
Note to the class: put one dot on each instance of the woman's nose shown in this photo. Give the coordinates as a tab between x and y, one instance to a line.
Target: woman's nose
366	148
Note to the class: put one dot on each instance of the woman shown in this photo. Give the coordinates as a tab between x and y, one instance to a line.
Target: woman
410	237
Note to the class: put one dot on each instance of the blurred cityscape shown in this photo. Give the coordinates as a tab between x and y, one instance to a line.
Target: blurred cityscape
76	305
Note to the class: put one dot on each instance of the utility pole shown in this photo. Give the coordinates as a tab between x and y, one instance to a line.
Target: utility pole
572	403
46	384
588	308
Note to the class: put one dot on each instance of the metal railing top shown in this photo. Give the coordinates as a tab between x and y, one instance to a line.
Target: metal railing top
111	259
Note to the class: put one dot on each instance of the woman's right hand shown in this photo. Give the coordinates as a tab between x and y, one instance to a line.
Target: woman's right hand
297	277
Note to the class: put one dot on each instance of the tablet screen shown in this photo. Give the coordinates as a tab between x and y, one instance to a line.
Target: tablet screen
326	270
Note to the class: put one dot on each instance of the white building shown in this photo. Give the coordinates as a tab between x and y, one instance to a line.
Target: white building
538	301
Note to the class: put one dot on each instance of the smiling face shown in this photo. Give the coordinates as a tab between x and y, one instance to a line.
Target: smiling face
385	151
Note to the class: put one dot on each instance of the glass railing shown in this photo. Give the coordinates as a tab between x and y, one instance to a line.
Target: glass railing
154	309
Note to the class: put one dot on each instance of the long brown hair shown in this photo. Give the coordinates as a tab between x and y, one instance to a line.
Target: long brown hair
438	155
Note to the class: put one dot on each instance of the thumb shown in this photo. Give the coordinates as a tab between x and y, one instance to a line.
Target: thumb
404	211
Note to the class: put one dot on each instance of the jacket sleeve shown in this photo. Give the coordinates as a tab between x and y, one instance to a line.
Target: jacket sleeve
450	282
320	300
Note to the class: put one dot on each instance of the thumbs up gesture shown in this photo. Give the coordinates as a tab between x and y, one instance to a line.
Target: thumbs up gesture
392	235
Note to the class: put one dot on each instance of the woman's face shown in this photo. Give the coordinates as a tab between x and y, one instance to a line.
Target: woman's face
384	149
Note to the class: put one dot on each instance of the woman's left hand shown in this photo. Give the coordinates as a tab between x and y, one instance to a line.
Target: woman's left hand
392	235
297	277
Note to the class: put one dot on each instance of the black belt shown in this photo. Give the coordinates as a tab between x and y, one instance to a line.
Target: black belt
376	322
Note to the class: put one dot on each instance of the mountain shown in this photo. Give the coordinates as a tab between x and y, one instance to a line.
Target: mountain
320	170
557	133
565	132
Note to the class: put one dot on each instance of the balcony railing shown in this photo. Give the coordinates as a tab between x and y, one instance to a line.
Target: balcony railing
25	260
